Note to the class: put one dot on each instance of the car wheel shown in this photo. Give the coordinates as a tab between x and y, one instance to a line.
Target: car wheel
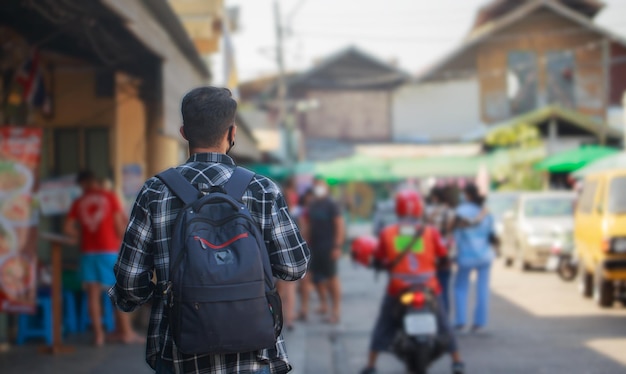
585	282
520	262
603	291
508	262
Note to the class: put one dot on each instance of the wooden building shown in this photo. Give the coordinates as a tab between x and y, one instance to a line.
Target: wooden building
528	55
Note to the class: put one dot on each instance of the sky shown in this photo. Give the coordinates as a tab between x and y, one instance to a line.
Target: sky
413	33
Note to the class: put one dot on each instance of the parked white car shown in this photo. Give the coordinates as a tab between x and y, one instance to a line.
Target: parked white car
529	229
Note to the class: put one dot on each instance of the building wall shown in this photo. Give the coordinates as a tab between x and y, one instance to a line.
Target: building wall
542	32
349	115
129	131
165	146
202	20
618	74
75	106
441	111
72	86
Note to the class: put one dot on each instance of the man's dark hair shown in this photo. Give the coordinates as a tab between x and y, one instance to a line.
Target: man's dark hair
85	176
473	194
208	113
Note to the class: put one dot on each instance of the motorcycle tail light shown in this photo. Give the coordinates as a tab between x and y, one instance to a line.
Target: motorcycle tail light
418	300
407	298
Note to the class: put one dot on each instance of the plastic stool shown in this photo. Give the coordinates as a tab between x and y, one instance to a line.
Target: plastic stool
108	317
70	312
38	325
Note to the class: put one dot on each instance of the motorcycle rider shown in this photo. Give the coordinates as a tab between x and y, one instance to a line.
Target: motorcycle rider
416	267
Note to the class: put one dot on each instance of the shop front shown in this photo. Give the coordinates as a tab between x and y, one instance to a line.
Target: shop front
94	85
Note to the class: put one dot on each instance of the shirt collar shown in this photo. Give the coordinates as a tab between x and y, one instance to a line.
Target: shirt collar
212	157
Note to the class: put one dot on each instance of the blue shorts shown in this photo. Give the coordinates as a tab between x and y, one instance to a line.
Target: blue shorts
98	268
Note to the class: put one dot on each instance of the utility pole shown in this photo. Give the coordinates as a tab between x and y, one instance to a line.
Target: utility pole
281	95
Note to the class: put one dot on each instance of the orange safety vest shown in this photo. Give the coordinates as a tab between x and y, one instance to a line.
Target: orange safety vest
418	266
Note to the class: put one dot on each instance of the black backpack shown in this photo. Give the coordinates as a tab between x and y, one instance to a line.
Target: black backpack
220	294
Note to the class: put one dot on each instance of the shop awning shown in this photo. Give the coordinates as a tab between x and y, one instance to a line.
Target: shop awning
615	161
574	159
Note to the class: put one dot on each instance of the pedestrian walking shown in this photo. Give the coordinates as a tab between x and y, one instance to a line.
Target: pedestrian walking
98	219
306	284
286	289
257	233
441	215
325	230
473	230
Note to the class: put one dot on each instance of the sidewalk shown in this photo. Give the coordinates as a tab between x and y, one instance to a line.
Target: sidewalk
313	347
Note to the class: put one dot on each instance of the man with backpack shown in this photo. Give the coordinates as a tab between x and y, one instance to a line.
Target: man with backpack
212	236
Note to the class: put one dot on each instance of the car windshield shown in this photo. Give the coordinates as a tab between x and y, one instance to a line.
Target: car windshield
549	206
617	196
500	204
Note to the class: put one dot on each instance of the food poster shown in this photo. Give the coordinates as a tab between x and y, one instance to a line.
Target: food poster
20	152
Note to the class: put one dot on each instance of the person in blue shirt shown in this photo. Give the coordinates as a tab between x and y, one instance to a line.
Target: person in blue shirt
473	236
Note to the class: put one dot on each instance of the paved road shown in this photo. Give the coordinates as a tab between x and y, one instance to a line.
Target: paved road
538	325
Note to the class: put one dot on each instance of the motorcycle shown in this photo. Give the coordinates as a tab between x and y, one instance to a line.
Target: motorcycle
419	341
563	259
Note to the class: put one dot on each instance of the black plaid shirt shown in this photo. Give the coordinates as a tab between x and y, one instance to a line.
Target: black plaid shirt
145	251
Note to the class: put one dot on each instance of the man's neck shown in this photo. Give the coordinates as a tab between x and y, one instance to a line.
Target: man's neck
197	150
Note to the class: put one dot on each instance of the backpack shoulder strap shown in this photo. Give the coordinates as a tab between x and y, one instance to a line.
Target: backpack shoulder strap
238	183
179	185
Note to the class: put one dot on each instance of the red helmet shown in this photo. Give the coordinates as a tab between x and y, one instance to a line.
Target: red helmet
408	204
363	249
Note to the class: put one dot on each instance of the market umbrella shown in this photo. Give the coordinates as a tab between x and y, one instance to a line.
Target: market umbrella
574	159
616	161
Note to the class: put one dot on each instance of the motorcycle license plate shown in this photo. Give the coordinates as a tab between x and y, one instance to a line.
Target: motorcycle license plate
416	324
553	263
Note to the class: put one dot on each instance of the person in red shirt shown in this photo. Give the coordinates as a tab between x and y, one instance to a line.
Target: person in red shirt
417	267
97	217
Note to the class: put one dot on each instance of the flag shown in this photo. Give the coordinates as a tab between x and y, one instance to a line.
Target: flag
30	78
231	79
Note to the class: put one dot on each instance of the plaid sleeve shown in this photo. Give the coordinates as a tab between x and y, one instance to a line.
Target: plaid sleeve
289	253
135	264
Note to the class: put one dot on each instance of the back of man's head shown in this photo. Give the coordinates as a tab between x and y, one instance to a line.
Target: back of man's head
208	113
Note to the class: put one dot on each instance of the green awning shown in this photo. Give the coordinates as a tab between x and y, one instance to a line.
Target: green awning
615	161
358	168
282	172
574	159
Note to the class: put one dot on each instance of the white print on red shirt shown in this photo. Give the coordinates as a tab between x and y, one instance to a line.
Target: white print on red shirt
91	211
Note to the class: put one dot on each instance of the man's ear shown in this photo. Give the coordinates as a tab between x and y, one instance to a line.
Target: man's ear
182	133
234	134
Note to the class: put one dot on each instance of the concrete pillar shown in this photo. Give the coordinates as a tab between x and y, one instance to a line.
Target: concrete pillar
129	144
553	134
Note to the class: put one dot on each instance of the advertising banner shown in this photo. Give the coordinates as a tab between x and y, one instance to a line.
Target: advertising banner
20	152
